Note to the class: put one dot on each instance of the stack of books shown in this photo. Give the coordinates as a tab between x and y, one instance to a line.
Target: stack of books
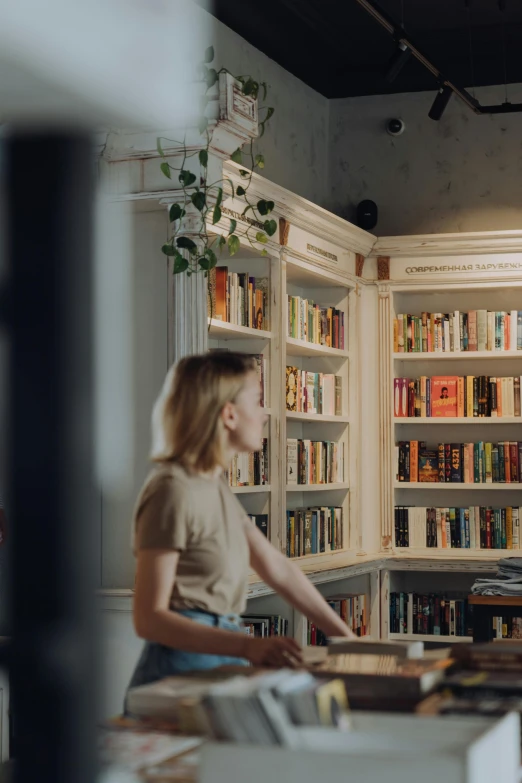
265	625
314	461
238	298
315	324
353	609
468	463
249	470
431	615
472	527
311	531
449	396
476	330
313	392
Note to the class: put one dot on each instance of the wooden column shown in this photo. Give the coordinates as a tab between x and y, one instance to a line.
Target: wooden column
386	424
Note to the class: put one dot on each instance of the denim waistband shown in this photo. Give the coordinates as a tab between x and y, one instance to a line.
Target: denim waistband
217	619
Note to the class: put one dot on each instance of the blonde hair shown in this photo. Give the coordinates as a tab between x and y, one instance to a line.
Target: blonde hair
187	427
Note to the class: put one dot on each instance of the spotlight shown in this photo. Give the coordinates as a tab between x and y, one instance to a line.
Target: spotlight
397	62
440	102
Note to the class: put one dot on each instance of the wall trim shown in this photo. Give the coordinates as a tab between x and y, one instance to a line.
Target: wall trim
449	244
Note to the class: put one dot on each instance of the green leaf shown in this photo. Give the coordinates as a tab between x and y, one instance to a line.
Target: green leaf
168	250
204	262
260	237
175	212
244	173
264	252
261	129
233	244
250	87
199	200
262	207
211	257
165	168
209	54
221	242
269	113
187	178
240	191
180	264
159	147
203	158
233	226
260	161
219	197
202	124
270	227
211	77
237	156
186	244
216	216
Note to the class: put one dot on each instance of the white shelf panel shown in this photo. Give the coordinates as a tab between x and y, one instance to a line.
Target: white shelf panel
306	274
428	637
455	485
251	490
316	487
299	416
456	356
224	331
296	347
458	420
440	554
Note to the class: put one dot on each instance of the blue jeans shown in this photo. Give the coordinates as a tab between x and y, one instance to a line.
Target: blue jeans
157	661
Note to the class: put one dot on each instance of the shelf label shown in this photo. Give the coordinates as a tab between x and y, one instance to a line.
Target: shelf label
476	267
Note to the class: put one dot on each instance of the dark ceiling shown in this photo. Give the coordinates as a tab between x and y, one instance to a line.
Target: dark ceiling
335	47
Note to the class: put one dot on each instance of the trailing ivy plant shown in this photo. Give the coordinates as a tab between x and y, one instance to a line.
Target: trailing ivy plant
201	254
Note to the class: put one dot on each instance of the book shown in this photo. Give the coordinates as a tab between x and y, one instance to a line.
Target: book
444	396
428	469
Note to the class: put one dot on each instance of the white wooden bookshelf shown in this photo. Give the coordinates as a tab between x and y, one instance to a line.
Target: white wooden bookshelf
440	570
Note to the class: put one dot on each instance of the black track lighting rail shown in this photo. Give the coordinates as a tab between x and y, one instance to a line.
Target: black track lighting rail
445	84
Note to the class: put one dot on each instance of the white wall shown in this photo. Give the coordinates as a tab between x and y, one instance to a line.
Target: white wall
463	173
295	144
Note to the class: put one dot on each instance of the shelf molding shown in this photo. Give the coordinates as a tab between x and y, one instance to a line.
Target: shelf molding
468	243
434	356
318	417
224	330
317	487
455	485
403	420
295	347
251	490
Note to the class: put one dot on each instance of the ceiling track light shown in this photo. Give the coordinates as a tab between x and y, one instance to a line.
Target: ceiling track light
397	62
441	101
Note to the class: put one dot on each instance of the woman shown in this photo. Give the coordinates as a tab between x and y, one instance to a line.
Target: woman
194	542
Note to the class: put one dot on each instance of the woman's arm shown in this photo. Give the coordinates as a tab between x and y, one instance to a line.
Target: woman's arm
155	622
290	582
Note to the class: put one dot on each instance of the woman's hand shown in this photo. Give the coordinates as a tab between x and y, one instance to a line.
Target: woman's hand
277	651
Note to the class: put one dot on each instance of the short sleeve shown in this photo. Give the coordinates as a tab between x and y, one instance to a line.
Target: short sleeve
162	517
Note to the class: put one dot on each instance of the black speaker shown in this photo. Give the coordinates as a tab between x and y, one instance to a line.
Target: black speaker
367	214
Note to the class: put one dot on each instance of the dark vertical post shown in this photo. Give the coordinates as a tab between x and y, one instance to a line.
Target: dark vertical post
48	185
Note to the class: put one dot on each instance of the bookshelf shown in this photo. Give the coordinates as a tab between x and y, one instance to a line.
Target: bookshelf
446	297
258	499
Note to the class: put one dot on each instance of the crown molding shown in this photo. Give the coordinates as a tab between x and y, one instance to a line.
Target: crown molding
472	243
303	213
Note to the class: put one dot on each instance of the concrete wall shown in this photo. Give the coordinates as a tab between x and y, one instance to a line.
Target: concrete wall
295	144
463	173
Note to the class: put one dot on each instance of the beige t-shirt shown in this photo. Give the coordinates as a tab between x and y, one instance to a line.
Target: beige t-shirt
201	518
